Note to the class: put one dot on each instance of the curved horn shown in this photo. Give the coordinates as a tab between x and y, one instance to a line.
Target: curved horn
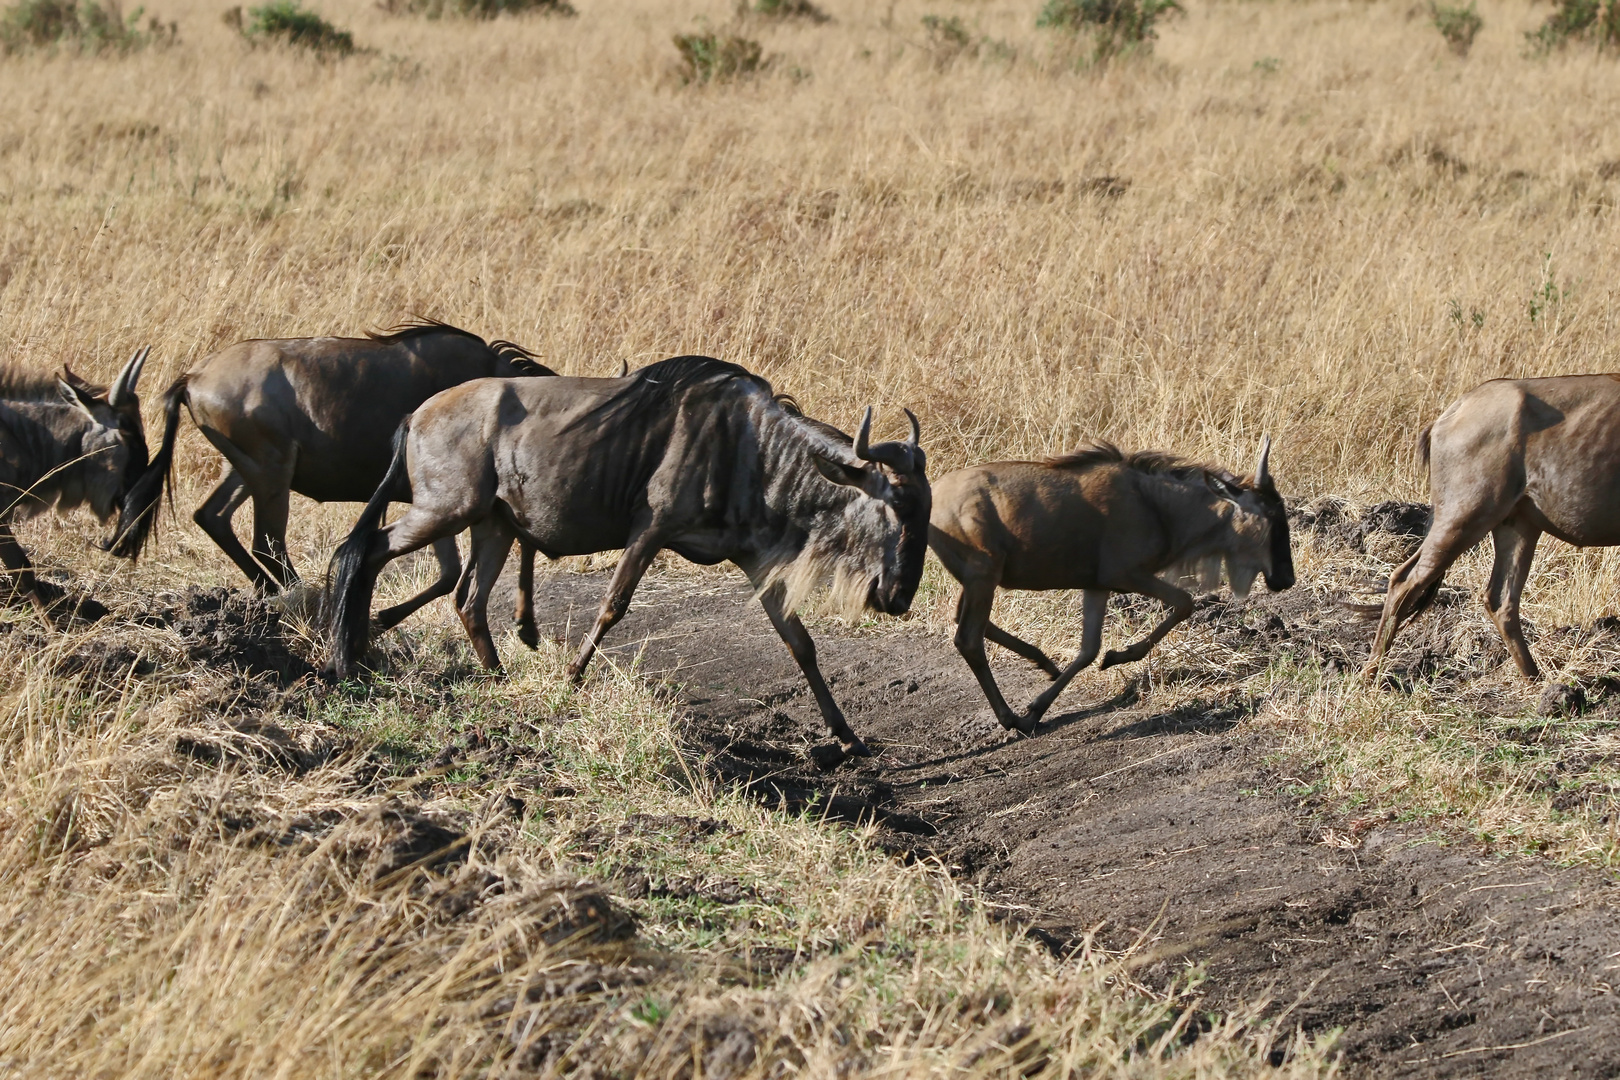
1262	466
127	379
916	430
624	369
864	437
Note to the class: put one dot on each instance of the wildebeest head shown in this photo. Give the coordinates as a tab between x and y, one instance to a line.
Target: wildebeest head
1260	523
891	523
113	447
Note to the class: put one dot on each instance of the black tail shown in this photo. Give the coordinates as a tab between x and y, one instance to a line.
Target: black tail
351	576
139	511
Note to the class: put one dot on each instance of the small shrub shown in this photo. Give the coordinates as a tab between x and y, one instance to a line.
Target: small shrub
1458	25
478	9
949	38
784	9
92	26
713	57
946	33
1577	20
286	20
1117	26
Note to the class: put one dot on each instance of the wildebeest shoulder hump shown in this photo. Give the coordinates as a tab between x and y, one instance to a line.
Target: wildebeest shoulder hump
1100	452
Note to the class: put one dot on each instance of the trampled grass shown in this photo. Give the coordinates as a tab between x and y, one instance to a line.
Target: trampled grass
197	888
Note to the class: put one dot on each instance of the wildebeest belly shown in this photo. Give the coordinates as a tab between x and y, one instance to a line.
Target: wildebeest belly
564	516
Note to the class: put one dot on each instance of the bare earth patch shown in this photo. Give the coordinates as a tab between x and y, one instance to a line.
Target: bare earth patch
1180	830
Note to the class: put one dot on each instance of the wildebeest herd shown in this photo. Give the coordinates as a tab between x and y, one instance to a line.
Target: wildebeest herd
703	458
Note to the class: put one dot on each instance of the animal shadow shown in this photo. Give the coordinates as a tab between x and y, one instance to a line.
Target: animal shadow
1195	717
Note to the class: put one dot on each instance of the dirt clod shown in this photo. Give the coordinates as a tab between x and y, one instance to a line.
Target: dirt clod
1562	699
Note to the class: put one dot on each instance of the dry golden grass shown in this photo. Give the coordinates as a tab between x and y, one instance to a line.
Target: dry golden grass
1307	219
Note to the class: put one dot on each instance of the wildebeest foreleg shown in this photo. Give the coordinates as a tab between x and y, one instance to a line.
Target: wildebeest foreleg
1094	609
803	648
42	595
1515	542
972	617
491	541
214	518
523	614
1413	585
638	555
1180	604
444	549
1023	648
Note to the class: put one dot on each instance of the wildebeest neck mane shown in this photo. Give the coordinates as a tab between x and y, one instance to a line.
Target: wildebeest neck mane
653	387
520	358
18	384
1155	462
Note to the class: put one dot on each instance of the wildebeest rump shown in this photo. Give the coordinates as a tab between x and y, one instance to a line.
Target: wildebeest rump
1512	458
315	416
65	443
690	454
1103	522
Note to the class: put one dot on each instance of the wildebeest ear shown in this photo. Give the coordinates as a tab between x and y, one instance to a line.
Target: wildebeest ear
77	398
1223	487
838	472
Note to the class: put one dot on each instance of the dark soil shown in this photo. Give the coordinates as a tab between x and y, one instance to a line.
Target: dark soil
1168	829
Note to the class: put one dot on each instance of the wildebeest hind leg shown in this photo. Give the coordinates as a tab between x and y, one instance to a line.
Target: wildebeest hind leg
270	535
803	648
972	617
1013	643
444	549
491	541
638	555
1515	542
1094	610
1180	604
214	518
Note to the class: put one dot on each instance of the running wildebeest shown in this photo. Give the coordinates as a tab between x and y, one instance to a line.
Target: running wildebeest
1103	522
65	443
1513	458
315	416
690	454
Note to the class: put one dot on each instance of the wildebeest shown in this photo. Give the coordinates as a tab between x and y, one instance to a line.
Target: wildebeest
690	454
1103	522
65	443
1513	458
315	416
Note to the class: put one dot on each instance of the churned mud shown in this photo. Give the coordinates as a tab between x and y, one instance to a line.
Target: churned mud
1170	831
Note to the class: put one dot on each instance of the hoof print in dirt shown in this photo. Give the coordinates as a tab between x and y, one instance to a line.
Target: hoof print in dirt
230	629
410	838
1562	699
826	756
581	912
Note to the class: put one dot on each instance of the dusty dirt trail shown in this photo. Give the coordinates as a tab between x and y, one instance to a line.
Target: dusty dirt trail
1169	827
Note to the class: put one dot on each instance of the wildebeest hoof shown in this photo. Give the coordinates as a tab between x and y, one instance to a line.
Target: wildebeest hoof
88	610
828	756
1112	657
529	635
831	755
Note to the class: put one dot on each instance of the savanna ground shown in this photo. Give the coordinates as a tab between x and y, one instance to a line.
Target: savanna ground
1310	219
